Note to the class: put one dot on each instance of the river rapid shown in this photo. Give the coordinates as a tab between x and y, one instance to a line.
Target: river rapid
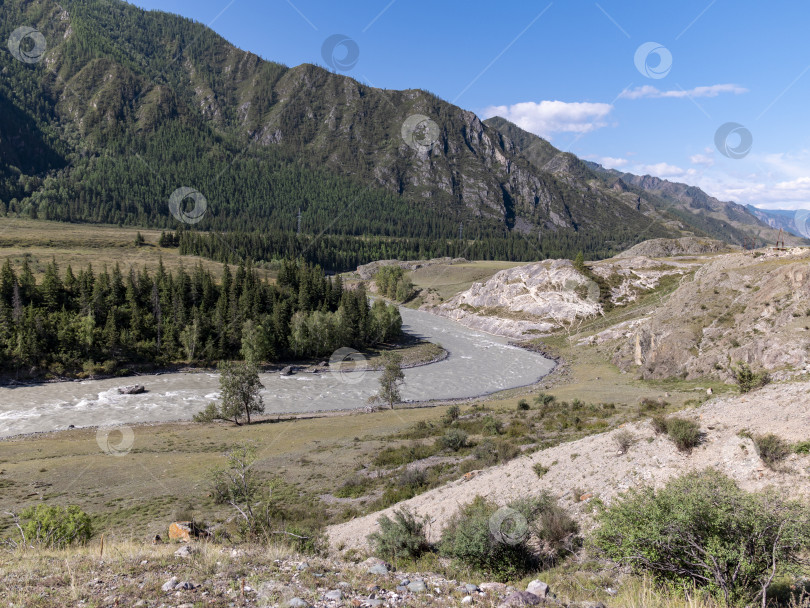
477	364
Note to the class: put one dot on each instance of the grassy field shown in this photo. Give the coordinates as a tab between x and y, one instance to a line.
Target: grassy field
443	281
79	245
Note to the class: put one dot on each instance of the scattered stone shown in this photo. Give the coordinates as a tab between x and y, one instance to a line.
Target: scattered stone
417	586
185	552
470	588
297	602
184	586
520	598
374	565
135	389
401	589
467	599
709	391
538	588
494	587
336	595
404	582
169	584
302	566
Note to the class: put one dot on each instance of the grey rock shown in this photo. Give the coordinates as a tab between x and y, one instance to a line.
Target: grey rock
135	389
169	584
401	589
184	585
287	371
467	599
373	603
380	569
417	586
538	587
520	598
404	582
297	602
185	552
302	566
470	588
337	594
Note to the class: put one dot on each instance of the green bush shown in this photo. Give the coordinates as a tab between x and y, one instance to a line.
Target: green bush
684	433
771	449
209	414
523	405
509	542
405	454
803	447
54	526
746	379
402	537
354	487
491	426
659	424
451	415
544	399
539	469
454	440
701	529
489	453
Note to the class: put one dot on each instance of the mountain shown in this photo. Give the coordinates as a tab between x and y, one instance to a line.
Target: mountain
679	206
127	106
795	222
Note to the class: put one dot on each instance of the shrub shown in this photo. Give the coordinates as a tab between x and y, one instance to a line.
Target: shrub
746	379
402	537
354	487
405	454
491	426
54	526
659	424
700	530
454	440
523	405
509	542
803	447
539	469
684	433
469	539
624	439
544	399
771	449
490	453
451	415
209	414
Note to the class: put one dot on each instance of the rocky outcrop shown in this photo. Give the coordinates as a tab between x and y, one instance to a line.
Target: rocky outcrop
749	307
367	271
689	245
526	300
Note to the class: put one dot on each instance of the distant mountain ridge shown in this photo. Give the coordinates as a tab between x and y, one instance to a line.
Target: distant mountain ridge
668	202
126	106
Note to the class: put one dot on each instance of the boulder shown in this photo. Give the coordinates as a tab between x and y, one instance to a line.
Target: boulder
520	598
539	588
135	389
185	531
287	371
184	552
417	586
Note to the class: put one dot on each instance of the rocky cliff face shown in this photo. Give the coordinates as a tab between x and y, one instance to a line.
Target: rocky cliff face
526	300
738	307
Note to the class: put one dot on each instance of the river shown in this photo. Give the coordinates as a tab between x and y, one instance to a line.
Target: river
478	364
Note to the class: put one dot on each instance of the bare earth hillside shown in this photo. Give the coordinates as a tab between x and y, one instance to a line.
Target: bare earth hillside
592	467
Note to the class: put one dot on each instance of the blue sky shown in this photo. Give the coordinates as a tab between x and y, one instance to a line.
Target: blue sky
582	74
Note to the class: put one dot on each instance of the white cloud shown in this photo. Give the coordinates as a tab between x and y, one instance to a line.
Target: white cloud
613	163
648	91
662	170
702	159
548	117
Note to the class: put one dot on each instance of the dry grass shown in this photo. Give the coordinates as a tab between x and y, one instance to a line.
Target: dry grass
79	245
